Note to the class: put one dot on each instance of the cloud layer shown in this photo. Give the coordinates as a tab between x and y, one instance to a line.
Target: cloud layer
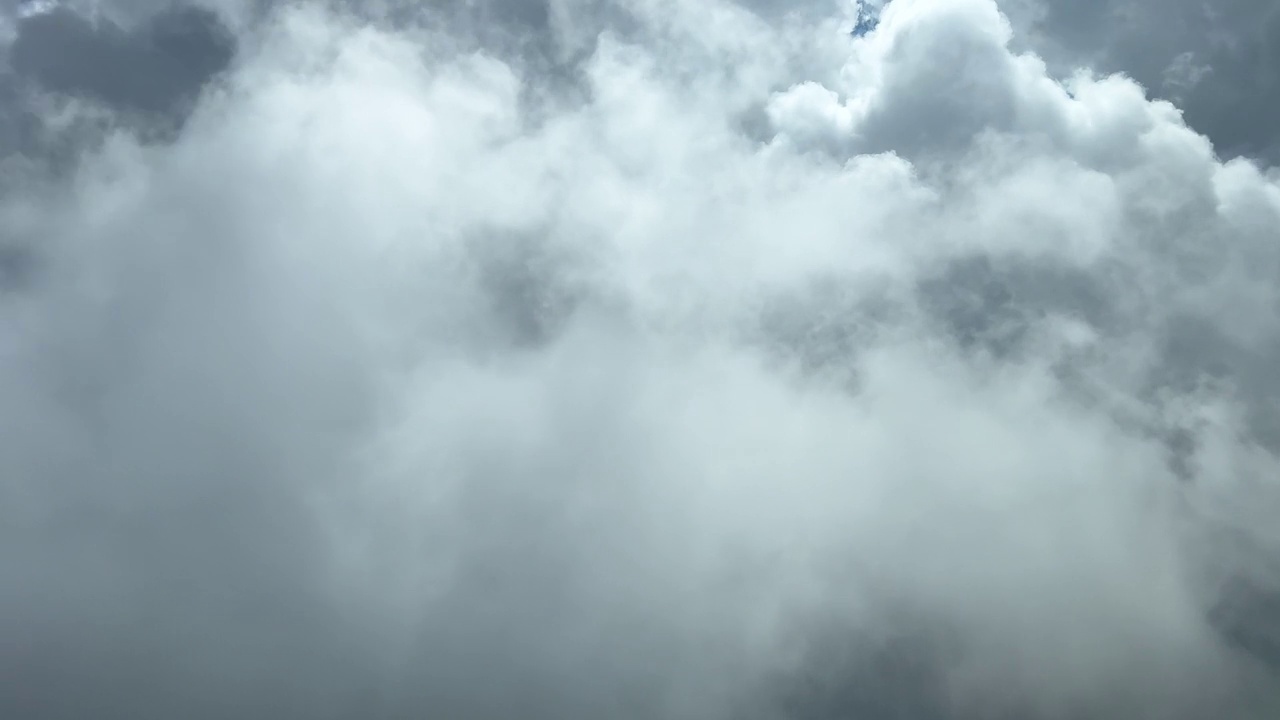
643	360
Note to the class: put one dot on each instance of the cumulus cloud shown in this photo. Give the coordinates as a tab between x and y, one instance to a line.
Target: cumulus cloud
642	360
1216	60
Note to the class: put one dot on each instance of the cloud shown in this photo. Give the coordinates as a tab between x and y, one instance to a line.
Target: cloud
173	54
644	360
68	77
1217	61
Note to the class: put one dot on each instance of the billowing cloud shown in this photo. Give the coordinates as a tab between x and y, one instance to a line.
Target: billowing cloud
640	360
1218	61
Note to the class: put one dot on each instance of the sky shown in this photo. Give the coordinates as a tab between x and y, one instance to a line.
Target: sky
645	359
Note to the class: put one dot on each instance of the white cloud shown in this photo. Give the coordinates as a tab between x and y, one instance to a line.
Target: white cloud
515	403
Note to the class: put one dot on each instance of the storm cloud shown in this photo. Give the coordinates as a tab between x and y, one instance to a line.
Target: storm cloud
647	359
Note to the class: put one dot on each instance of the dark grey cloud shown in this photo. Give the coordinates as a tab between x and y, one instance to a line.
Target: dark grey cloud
153	68
68	80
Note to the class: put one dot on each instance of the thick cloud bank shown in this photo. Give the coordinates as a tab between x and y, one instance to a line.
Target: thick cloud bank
643	359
